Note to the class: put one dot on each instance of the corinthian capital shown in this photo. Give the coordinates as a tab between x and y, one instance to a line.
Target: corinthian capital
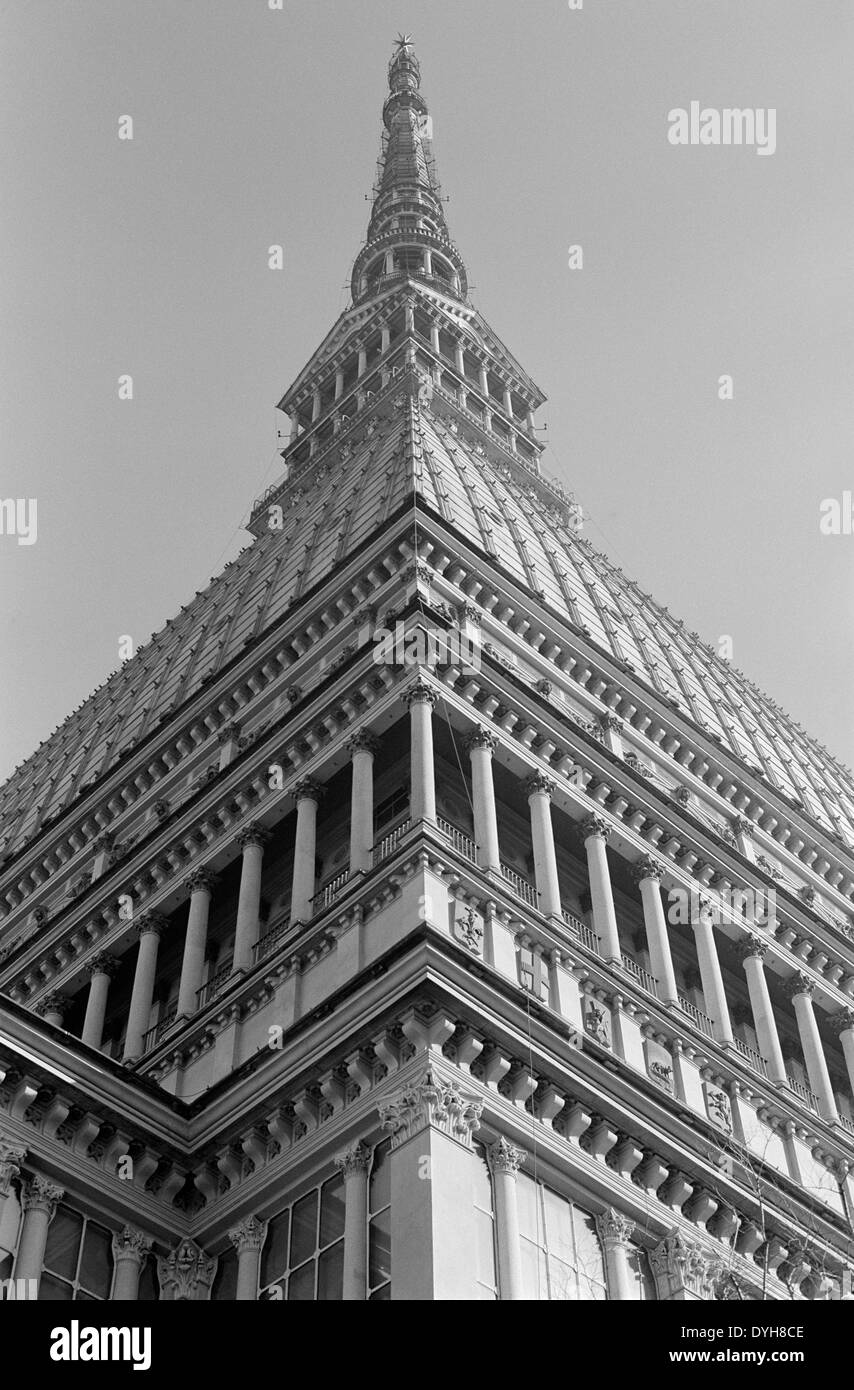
253	834
40	1194
103	964
842	1020
131	1245
11	1158
798	984
200	881
614	1228
151	922
750	945
308	789
594	825
430	1101
480	738
680	1265
538	782
354	1160
420	693
505	1157
363	741
647	868
249	1235
55	1003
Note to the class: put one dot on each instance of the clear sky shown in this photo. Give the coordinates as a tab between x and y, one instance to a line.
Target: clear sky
254	126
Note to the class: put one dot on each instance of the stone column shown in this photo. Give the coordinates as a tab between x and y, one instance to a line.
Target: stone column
648	873
148	926
248	1240
53	1008
307	794
480	744
39	1198
251	839
354	1164
595	832
843	1024
538	789
710	973
11	1158
431	1122
800	990
363	747
100	970
200	885
185	1275
505	1161
421	698
615	1232
752	951
130	1252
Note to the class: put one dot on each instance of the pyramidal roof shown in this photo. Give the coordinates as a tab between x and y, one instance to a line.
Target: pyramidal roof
365	450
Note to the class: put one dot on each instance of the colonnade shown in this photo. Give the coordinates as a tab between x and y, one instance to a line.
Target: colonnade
539	789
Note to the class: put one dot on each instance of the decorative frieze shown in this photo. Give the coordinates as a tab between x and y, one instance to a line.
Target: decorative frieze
186	1274
682	1268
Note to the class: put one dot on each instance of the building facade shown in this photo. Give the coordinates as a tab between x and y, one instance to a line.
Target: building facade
425	913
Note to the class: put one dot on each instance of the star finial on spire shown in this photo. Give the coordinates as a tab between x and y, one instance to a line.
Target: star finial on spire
404	40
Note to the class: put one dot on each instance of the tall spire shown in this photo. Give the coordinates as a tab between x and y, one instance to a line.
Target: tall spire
407	234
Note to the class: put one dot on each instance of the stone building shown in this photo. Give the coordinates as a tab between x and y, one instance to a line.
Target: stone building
425	913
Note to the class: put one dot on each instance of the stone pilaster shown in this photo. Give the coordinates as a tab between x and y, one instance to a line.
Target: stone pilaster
248	1240
354	1164
130	1251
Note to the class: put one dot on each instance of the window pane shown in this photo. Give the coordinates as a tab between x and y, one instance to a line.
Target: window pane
96	1266
558	1222
485	1243
382	1295
148	1292
54	1290
301	1284
380	1188
83	1297
330	1273
304	1229
274	1260
563	1284
526	1198
224	1286
379	1267
63	1241
331	1210
534	1280
588	1251
482	1182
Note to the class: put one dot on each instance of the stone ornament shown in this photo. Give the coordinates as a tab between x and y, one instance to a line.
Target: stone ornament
679	1265
841	1021
430	1102
798	984
420	693
613	1228
130	1244
40	1194
597	1021
480	738
308	789
103	964
468	930
186	1274
53	1004
363	742
538	782
647	868
354	1160
11	1158
249	1235
750	945
254	834
595	825
718	1106
505	1157
200	881
151	922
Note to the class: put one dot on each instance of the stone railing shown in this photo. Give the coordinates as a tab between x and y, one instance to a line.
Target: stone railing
520	886
213	986
643	977
461	842
698	1018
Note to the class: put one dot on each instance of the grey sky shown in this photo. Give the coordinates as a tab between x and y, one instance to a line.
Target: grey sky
254	127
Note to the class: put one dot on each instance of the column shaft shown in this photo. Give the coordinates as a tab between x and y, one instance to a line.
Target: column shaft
354	1165
505	1161
39	1200
249	897
711	977
481	744
195	943
539	789
801	990
101	971
753	951
308	794
647	874
149	928
363	747
595	832
422	766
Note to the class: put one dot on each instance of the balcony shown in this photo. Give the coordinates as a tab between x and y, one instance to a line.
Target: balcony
805	1094
331	890
520	886
271	938
461	842
646	981
166	1019
581	930
215	985
697	1017
388	843
752	1057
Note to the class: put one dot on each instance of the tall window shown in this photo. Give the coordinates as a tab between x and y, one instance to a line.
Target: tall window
561	1254
484	1221
78	1260
303	1255
379	1226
